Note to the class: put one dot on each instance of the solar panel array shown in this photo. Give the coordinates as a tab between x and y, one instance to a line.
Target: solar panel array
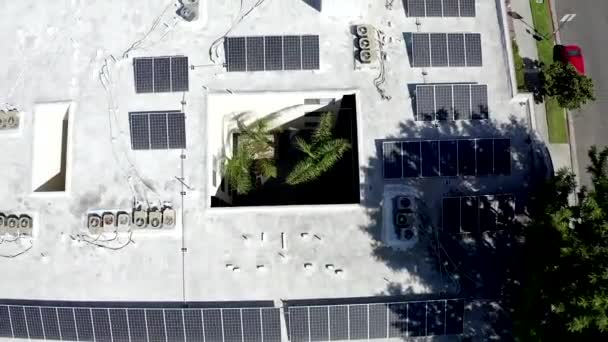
446	50
446	158
127	324
157	130
375	321
441	8
474	214
270	53
161	74
451	102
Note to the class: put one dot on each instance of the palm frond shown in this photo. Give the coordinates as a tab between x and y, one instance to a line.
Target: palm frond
324	130
305	147
323	159
303	172
267	168
237	171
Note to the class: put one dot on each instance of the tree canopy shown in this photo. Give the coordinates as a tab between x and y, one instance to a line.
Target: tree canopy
565	291
570	88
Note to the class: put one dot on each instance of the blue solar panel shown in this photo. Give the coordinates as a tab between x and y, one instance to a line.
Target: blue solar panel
397	320
416	319
271	322
448	158
466	157
155	320
292	48
34	322
50	323
18	320
84	324
193	322
451	215
162	74
119	325
469	219
236	53
411	159
338	322
485	157
378	321
392	159
140	132
310	52
175	325
5	322
319	323
176	125
101	323
212	319
255	54
454	317
299	324
252	324
502	156
143	69
358	316
430	158
137	325
179	74
231	319
487	214
274	52
158	131
67	324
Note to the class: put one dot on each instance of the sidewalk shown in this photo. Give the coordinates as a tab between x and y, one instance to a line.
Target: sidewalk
523	34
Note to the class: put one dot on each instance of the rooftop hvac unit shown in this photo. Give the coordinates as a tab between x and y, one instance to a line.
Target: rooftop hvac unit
366	56
366	43
140	218
169	217
2	224
3	119
109	221
188	10
407	234
365	31
404	220
404	203
25	224
12	119
94	223
123	221
12	223
155	218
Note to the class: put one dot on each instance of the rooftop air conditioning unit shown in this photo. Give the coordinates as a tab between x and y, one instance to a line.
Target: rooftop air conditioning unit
366	44
188	10
2	224
109	221
407	234
25	224
365	31
3	119
123	221
155	218
404	220
12	119
94	223
140	218
404	204
168	217
366	56
12	223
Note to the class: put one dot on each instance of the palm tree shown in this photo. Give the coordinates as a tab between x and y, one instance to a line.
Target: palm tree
252	156
320	155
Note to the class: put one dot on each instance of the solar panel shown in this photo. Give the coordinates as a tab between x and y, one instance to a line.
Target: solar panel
378	320
443	102
212	325
179	73
236	54
119	325
193	324
101	324
487	213
469	219
271	323
252	324
439	49
502	156
462	102
479	101
485	157
273	52
467	8
50	323
416	8
292	48
174	325
434	8
143	69
255	54
158	131
160	74
451	215
416	319
137	324
176	125
319	323
451	8
473	49
430	158
231	321
358	317
425	103
298	324
421	56
18	322
505	209
454	319
67	324
5	322
392	160
397	320
84	324
155	322
435	318
411	159
466	158
448	158
456	52
270	53
33	319
338	322
310	52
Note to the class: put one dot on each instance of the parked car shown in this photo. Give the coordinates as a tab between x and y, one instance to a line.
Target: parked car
573	54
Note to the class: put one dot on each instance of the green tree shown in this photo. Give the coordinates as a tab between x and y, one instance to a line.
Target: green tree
565	294
570	88
253	155
320	155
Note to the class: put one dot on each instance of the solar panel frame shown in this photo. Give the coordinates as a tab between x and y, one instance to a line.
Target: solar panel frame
319	323
451	8
412	159
444	102
434	8
273	47
255	51
271	324
232	325
292	50
416	319
180	80
159	138
162	74
310	52
138	325
252	324
50	323
425	102
397	320
101	325
212	325
456	50
84	324
338	322
299	328
155	324
392	160
119	325
439	49
67	324
18	322
473	50
467	8
462	102
193	324
33	318
430	158
416	8
479	102
421	54
358	315
174	325
236	53
143	72
6	329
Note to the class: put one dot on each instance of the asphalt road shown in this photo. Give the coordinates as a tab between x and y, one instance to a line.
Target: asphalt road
589	30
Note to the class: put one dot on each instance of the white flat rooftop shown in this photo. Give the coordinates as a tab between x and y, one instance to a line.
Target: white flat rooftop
59	51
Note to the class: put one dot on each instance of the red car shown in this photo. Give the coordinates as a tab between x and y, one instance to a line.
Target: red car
574	55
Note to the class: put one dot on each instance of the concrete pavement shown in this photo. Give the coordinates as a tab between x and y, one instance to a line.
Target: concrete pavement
588	30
